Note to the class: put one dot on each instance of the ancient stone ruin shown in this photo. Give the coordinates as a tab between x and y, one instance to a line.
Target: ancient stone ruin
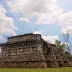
31	51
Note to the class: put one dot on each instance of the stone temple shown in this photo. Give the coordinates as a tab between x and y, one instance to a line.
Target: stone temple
31	51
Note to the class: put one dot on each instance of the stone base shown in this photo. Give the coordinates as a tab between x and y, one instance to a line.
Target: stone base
24	65
48	64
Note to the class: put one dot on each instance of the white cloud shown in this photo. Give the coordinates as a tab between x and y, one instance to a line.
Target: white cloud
24	19
63	31
47	11
40	31
6	24
37	32
65	21
51	38
1	38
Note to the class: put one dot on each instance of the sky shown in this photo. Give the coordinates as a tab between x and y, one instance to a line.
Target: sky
50	18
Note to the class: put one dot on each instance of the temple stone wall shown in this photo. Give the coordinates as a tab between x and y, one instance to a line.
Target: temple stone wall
25	37
31	47
31	51
24	64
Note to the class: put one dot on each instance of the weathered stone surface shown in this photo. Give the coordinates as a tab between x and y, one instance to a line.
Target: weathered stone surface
31	51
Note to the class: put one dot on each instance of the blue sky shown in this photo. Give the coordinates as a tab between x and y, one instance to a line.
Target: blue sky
50	18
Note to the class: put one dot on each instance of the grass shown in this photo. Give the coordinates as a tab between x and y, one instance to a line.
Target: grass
36	70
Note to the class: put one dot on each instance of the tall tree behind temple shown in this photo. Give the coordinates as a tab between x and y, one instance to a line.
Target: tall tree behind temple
66	40
58	43
63	46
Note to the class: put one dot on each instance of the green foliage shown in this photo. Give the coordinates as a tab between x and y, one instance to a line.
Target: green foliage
67	41
0	53
68	55
58	43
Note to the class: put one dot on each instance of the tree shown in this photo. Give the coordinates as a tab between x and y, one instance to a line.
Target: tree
68	55
63	45
59	44
66	40
0	54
